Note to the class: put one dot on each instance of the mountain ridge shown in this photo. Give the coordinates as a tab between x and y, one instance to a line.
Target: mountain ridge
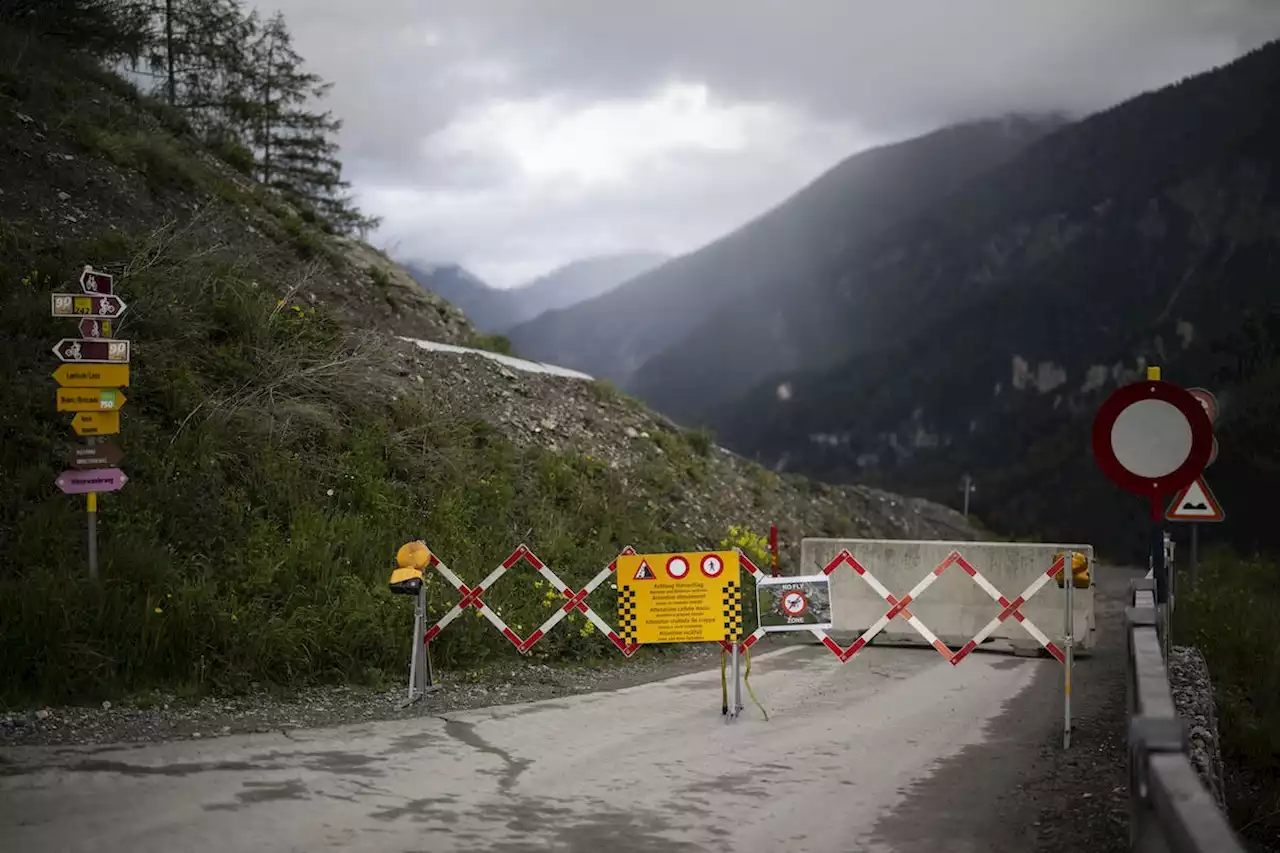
998	320
497	310
749	271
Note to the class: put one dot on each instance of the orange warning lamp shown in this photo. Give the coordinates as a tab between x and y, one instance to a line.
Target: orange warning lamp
412	560
1079	571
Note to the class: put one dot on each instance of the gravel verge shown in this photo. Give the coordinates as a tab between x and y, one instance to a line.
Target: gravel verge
160	717
1193	697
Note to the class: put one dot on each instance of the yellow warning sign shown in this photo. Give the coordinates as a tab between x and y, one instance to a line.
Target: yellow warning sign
691	597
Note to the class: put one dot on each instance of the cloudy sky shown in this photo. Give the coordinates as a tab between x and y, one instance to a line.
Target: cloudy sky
515	135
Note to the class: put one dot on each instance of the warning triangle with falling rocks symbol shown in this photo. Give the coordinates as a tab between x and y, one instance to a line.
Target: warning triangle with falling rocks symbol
644	573
1195	503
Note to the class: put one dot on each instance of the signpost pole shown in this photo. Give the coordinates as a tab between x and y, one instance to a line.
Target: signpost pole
1068	642
1195	553
92	499
737	680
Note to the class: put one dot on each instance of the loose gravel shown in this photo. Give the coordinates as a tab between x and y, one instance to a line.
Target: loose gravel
160	717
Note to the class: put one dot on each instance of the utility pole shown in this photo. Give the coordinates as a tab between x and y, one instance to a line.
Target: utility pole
969	488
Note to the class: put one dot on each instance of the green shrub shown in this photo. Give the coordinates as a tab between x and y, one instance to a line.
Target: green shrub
1228	615
492	343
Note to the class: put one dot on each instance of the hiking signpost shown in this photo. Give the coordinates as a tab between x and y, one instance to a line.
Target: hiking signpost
95	367
1153	438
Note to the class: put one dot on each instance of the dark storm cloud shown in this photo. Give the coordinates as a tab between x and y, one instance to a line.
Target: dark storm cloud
454	108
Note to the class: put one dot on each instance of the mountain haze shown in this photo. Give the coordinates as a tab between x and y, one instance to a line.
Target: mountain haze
736	284
494	309
983	334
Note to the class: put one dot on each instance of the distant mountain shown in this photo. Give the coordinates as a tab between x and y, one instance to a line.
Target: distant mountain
456	285
982	334
730	310
492	309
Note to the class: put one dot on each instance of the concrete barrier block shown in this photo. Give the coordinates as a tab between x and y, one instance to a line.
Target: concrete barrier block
954	607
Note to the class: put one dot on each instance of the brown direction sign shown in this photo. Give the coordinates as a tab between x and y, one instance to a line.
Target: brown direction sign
87	305
95	281
98	350
103	454
95	328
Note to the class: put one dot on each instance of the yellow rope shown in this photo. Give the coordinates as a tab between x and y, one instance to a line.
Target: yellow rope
747	680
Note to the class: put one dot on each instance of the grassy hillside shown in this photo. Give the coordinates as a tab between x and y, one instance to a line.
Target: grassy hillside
282	442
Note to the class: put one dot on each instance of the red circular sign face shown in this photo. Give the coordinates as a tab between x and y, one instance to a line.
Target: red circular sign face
794	603
677	567
712	565
1152	437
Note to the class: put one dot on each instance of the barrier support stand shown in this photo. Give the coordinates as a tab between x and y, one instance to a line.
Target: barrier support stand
1068	642
735	672
420	677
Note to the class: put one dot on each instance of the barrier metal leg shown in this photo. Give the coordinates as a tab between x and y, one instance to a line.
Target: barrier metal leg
420	676
1068	641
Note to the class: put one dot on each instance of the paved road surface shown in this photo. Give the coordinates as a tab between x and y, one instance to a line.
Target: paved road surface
649	768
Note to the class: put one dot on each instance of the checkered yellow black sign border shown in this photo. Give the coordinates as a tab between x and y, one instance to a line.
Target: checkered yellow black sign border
732	612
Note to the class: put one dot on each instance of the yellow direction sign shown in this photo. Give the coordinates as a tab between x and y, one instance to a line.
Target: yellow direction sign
90	399
92	375
691	597
96	423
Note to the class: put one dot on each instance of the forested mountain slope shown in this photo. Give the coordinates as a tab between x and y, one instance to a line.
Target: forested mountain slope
983	334
736	299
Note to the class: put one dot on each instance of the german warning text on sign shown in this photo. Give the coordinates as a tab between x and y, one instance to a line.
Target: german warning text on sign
679	598
794	604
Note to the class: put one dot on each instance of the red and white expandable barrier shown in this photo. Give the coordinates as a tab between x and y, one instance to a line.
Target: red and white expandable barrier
899	607
575	600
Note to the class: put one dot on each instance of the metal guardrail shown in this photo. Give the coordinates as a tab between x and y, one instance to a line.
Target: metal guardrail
1170	810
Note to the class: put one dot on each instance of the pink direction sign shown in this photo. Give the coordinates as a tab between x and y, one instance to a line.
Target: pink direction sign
93	480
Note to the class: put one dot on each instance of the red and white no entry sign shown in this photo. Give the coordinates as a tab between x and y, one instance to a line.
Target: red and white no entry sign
794	603
1152	437
677	567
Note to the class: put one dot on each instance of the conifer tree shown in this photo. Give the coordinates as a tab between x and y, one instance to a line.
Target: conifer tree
293	141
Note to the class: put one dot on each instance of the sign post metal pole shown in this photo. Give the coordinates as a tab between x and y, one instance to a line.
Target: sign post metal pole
1068	641
92	506
737	679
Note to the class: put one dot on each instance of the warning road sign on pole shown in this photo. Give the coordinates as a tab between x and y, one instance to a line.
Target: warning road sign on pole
1195	502
679	605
